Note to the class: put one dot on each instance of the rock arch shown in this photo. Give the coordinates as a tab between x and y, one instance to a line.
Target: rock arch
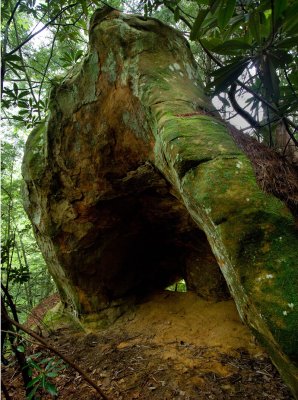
133	171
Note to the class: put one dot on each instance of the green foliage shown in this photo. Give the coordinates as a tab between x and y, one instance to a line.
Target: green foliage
23	269
252	44
263	32
179	286
28	66
226	75
42	371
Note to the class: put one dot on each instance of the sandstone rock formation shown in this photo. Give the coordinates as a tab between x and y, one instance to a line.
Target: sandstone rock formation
132	183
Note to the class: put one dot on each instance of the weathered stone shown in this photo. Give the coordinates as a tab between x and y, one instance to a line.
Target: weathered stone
202	274
130	170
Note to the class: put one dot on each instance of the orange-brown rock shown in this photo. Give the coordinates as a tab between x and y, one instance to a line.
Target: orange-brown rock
132	183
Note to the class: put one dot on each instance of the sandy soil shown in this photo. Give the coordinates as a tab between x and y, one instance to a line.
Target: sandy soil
171	346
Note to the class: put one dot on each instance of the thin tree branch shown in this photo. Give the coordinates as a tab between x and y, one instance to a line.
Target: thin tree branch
25	71
10	302
40	30
62	356
186	13
71	24
187	23
6	191
24	80
286	146
244	114
12	14
21	336
290	83
48	62
255	94
34	69
270	130
4	44
7	323
286	120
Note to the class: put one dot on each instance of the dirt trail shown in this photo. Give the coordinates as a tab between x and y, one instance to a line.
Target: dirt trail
173	346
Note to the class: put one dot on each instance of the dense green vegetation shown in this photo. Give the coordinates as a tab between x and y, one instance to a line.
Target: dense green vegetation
23	269
247	57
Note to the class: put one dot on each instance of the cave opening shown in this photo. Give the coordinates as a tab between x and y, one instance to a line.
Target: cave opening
179	286
164	249
139	245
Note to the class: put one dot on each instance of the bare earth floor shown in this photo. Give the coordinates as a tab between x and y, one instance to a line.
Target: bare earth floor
171	346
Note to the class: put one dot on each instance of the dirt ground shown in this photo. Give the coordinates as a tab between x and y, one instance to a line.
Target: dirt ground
171	346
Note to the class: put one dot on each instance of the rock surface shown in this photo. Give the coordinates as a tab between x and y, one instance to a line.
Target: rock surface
133	183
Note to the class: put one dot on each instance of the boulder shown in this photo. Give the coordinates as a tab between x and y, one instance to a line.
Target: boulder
134	182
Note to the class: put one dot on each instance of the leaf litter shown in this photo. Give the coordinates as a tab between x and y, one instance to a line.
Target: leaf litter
169	346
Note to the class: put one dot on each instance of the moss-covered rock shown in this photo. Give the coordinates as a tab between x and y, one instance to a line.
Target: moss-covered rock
132	174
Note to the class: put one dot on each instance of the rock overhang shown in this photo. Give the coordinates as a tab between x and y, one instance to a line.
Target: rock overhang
131	151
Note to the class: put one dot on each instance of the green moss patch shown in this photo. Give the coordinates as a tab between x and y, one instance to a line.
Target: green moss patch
35	158
190	141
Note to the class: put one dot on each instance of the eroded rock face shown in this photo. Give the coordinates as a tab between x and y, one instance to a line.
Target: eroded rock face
130	175
107	220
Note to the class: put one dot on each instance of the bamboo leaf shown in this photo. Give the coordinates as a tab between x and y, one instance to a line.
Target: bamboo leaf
294	78
292	27
23	104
